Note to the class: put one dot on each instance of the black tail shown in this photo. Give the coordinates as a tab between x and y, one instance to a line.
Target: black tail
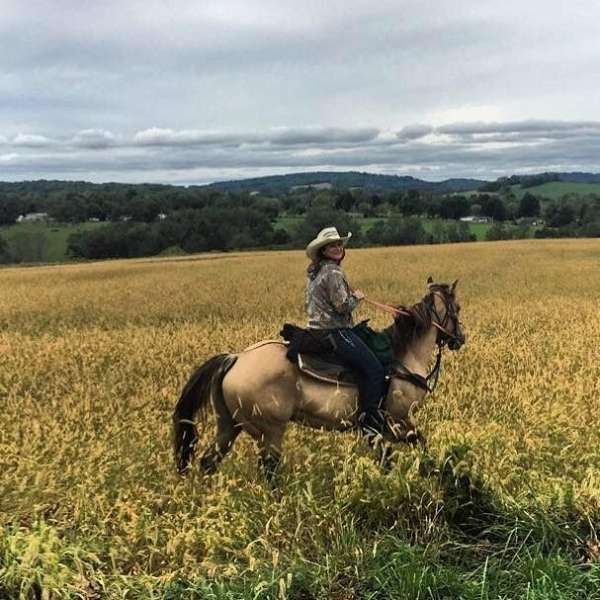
195	398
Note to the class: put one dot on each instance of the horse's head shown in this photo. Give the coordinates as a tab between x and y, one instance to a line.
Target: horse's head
445	311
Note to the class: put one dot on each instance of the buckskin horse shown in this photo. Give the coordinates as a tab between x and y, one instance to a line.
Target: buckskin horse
260	391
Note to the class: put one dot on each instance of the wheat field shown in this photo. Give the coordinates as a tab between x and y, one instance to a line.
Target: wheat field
503	504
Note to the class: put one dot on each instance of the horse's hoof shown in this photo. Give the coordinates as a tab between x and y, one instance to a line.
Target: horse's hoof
414	438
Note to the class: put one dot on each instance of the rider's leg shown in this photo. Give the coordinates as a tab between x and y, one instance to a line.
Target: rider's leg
371	374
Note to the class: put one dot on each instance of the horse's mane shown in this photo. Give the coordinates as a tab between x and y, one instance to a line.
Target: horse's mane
408	328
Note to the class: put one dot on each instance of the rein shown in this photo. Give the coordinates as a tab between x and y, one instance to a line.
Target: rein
388	308
406	374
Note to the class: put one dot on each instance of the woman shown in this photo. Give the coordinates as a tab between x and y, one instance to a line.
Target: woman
329	305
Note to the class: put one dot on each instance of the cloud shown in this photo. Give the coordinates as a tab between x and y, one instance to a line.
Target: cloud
323	135
481	149
31	141
95	139
526	126
414	132
156	136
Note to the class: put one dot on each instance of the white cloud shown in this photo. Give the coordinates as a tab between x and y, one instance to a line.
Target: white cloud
31	140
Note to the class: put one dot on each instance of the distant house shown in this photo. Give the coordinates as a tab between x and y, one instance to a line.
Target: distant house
474	219
31	217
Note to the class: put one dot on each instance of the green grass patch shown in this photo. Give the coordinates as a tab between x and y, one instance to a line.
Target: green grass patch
42	242
555	190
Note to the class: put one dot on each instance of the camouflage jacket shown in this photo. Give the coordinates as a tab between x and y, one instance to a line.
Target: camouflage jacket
329	302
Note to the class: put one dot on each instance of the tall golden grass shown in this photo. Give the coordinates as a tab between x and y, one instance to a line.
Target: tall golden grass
93	358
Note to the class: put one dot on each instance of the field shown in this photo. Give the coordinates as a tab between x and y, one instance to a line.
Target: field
41	242
504	503
557	189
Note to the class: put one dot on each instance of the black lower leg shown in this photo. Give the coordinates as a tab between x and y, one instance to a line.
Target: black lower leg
216	452
269	461
210	460
415	438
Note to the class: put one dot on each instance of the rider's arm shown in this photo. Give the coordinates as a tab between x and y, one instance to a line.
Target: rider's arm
338	291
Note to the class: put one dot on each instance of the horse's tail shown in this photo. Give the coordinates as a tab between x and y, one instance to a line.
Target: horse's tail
195	398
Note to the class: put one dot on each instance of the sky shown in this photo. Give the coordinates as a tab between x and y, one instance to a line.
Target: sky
189	92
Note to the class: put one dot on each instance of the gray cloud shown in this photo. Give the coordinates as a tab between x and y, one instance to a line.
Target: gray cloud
192	155
94	139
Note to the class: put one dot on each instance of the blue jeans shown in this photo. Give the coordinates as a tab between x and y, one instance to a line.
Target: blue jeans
371	374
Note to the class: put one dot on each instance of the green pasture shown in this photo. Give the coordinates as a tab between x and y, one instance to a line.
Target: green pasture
555	190
41	242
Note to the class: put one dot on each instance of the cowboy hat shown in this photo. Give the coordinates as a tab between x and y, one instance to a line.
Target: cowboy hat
325	236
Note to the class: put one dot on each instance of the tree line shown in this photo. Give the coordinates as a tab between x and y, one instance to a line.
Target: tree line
142	220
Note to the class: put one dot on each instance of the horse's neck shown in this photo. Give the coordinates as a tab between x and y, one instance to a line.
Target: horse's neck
417	356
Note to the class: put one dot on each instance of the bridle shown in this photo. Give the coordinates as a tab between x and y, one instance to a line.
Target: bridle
399	370
444	336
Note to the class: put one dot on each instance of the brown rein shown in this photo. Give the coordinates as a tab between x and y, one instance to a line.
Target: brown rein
388	308
405	373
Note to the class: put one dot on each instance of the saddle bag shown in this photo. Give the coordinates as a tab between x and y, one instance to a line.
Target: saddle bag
306	341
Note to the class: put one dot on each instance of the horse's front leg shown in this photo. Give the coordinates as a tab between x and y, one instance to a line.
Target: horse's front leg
415	438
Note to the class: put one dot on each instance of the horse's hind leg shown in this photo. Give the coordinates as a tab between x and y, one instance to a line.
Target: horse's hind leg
227	432
270	451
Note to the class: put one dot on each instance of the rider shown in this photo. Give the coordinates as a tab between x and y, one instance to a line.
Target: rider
329	304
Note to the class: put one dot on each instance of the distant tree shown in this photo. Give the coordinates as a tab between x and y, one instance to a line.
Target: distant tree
454	207
344	201
493	206
317	219
365	208
496	232
529	206
559	215
281	237
10	208
323	201
28	246
475	209
398	231
4	251
271	207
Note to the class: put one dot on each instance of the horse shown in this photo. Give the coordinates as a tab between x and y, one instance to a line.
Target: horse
260	391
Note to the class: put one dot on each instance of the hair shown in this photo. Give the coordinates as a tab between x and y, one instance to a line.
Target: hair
315	266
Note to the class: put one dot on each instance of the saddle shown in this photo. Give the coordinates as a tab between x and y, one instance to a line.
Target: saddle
313	351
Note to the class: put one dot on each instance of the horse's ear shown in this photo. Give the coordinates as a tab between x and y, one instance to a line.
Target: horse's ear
429	281
453	286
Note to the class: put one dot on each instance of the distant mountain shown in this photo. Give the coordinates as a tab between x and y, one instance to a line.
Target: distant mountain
580	177
352	179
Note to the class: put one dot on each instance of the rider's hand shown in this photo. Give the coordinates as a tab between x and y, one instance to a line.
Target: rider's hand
358	294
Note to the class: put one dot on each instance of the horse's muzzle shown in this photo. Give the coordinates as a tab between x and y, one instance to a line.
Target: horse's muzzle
456	342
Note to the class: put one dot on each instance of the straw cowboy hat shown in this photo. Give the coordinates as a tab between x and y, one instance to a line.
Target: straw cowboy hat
325	236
